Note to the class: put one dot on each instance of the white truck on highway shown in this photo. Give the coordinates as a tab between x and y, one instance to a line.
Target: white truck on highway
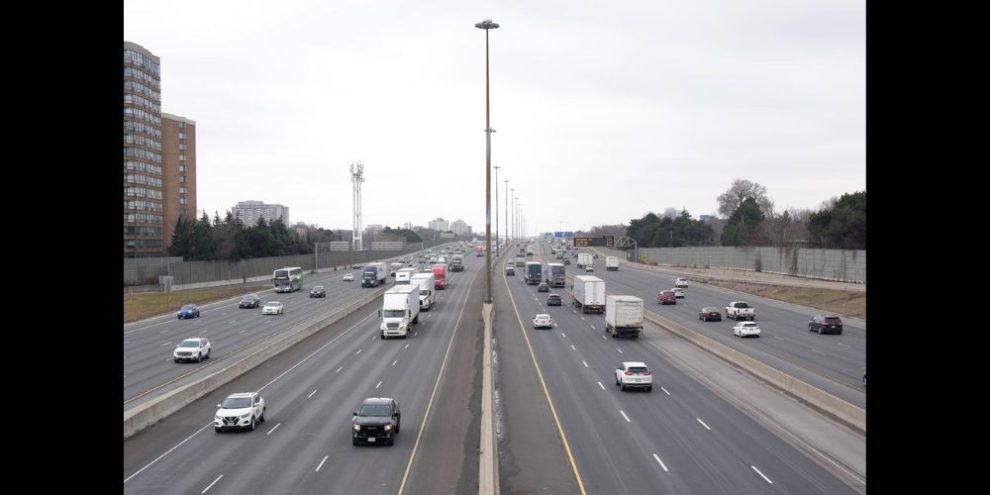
427	287
739	310
403	276
623	316
611	263
400	311
583	260
588	293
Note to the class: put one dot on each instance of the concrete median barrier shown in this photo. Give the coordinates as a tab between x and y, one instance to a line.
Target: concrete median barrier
841	409
149	412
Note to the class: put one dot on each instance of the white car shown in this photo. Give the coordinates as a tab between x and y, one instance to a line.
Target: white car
243	410
681	282
272	308
746	329
194	349
348	277
678	292
589	268
634	374
542	321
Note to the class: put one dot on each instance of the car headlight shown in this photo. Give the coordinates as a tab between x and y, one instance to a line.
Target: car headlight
388	427
246	416
218	417
357	427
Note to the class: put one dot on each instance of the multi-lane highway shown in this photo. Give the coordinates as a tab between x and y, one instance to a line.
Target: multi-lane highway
311	391
679	438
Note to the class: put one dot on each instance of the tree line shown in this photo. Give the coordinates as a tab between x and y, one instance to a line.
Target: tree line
230	239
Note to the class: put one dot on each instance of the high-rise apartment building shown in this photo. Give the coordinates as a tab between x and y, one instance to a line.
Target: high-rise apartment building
439	224
143	199
178	170
460	227
250	211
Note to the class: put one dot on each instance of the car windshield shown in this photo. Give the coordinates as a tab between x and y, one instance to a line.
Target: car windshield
668	293
190	343
381	410
271	305
742	305
249	298
318	287
394	313
749	324
832	319
188	306
637	369
542	317
236	402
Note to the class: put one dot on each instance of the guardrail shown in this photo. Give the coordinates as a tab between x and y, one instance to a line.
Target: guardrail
154	410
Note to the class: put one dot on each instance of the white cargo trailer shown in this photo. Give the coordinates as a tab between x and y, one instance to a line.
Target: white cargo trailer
623	316
588	293
611	263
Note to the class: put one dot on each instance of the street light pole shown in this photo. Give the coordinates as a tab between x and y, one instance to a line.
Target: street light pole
496	167
506	211
487	24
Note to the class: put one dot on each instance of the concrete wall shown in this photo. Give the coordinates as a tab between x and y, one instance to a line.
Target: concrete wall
830	264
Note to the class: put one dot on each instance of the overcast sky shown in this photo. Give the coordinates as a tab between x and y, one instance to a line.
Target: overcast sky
603	111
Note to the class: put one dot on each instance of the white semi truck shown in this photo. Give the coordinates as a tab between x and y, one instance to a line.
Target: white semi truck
611	263
583	260
588	293
400	311
427	288
623	316
403	276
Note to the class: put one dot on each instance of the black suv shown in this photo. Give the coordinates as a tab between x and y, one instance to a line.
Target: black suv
318	291
250	301
825	324
543	287
376	419
510	271
554	300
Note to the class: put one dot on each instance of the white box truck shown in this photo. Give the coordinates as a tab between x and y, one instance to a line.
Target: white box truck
427	287
584	259
623	316
400	311
611	263
588	293
403	276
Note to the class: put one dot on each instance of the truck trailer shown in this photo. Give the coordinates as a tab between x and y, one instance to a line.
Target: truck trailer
588	293
373	274
534	272
555	275
623	316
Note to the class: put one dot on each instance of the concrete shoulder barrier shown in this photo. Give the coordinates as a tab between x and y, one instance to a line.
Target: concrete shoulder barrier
149	412
845	411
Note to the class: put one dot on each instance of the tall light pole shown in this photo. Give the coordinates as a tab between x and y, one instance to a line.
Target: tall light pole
513	230
487	24
506	210
496	167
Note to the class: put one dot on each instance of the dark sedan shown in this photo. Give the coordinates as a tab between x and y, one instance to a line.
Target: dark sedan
188	311
710	313
250	301
825	324
543	287
318	291
554	300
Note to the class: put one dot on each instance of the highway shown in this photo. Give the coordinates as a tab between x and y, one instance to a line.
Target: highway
148	344
833	363
311	391
679	438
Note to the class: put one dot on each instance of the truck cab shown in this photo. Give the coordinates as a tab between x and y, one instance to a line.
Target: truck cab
400	311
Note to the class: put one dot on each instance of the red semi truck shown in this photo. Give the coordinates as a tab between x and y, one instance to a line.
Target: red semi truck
440	276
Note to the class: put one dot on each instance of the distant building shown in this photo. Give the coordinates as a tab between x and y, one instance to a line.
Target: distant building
144	209
250	211
460	228
707	218
179	170
439	225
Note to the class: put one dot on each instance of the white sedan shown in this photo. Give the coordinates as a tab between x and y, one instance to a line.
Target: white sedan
681	282
746	329
678	292
272	308
348	277
543	321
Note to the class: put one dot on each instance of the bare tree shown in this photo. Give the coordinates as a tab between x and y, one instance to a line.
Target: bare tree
741	189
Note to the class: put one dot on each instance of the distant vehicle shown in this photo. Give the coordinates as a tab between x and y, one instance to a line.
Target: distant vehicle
533	273
709	313
318	291
634	374
374	274
510	270
272	308
667	297
594	256
427	286
288	279
567	261
348	277
678	292
249	301
589	268
376	419
623	316
584	259
529	253
440	276
555	274
542	321
188	311
739	310
457	263
681	283
543	287
400	311
588	293
554	300
404	276
746	329
194	349
611	263
825	324
520	261
356	266
244	410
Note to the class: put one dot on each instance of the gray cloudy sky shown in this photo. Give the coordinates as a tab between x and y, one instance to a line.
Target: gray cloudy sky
603	111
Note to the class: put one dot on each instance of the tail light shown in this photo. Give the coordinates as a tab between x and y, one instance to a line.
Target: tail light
648	372
628	373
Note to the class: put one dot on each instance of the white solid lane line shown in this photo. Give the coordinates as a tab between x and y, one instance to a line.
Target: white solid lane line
624	415
665	391
572	347
661	463
321	463
845	345
211	484
600	385
703	424
311	393
761	474
584	363
273	429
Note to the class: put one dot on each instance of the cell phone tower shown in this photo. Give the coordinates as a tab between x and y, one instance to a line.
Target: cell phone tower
357	177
